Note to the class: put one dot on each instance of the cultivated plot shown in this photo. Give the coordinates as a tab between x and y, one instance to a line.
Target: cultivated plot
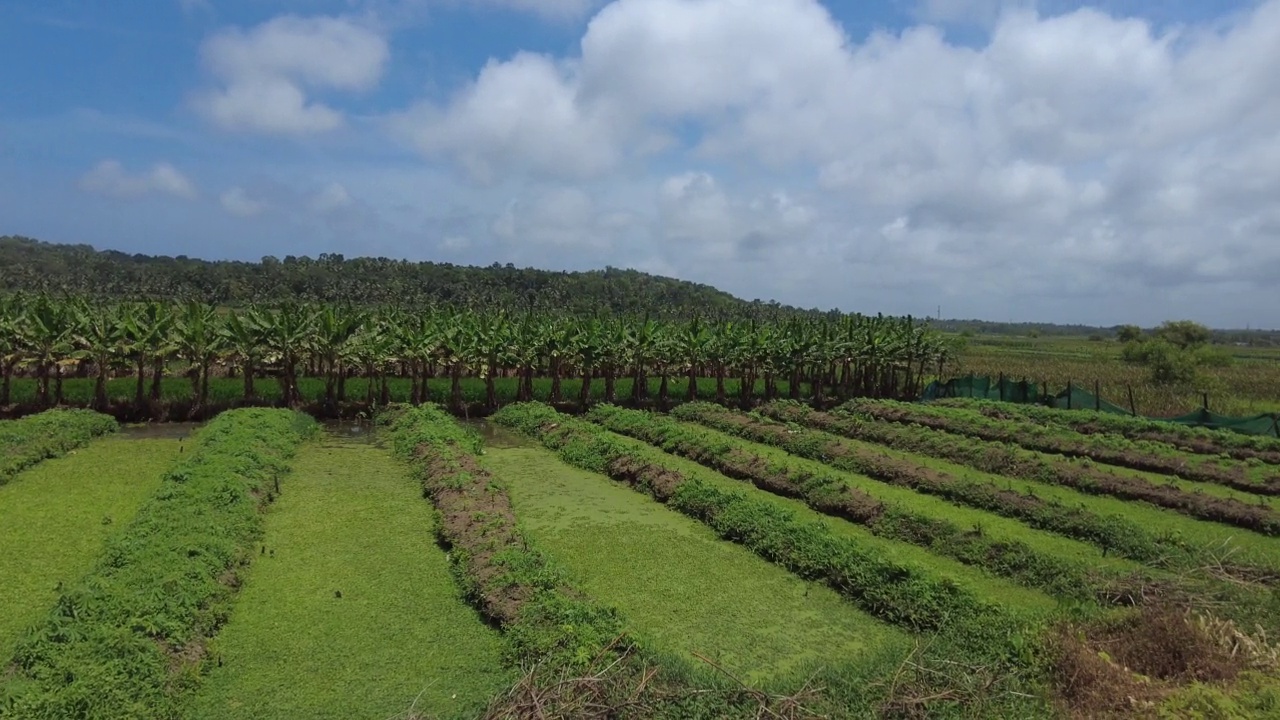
350	610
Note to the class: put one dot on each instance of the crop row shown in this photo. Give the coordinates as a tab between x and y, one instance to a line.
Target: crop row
1201	441
582	654
833	496
1113	534
27	441
512	585
896	593
1012	461
1106	449
129	638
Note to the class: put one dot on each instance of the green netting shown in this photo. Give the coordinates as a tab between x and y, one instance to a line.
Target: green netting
984	387
1074	398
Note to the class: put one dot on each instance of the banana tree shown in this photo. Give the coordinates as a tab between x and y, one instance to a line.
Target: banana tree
146	328
46	330
98	337
198	340
287	333
10	349
243	334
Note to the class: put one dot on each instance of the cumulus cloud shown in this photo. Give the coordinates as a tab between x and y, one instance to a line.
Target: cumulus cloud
237	202
264	74
111	179
1064	152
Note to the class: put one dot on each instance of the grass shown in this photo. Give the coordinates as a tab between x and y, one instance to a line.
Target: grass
990	523
1249	385
1250	546
350	520
981	584
681	587
55	519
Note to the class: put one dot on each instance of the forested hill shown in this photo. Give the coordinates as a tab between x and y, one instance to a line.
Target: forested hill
31	265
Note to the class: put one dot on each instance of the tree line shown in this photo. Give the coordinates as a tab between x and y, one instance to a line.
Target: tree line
49	338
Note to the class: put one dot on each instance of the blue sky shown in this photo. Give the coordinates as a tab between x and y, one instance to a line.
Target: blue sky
1098	162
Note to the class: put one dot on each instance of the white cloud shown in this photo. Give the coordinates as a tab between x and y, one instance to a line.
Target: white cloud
264	74
1065	151
109	178
237	202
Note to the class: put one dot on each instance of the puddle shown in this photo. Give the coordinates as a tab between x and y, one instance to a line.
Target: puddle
159	431
351	430
498	437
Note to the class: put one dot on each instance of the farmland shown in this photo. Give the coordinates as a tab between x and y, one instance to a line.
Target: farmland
539	515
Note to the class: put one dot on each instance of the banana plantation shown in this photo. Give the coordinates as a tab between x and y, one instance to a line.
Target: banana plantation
308	353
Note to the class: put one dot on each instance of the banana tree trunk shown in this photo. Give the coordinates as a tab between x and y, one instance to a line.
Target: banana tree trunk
691	392
6	382
246	369
491	384
584	393
157	375
42	384
793	389
664	390
555	380
720	371
455	386
100	388
610	385
57	384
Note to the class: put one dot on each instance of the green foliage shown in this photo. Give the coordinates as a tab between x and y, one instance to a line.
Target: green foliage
896	593
348	521
1183	334
127	640
831	495
52	433
1128	333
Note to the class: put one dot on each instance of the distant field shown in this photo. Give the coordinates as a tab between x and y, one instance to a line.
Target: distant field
1251	384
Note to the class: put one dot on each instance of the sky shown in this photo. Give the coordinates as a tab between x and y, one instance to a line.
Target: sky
1010	160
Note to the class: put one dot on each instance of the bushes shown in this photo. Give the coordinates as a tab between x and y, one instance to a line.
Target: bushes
50	434
130	638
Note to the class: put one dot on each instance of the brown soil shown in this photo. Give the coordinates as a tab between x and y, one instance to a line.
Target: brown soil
479	523
1124	668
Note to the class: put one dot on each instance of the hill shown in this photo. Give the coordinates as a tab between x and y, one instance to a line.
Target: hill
35	266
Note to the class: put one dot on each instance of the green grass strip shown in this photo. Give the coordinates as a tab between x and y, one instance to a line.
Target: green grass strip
52	433
353	611
1111	533
833	496
895	593
128	640
1199	440
550	625
1250	476
54	524
1013	461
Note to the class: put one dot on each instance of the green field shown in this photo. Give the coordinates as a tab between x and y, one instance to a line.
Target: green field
350	522
683	589
56	517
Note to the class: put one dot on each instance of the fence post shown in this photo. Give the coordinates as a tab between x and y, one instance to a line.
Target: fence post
1097	395
1068	393
1001	387
1204	404
1133	407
